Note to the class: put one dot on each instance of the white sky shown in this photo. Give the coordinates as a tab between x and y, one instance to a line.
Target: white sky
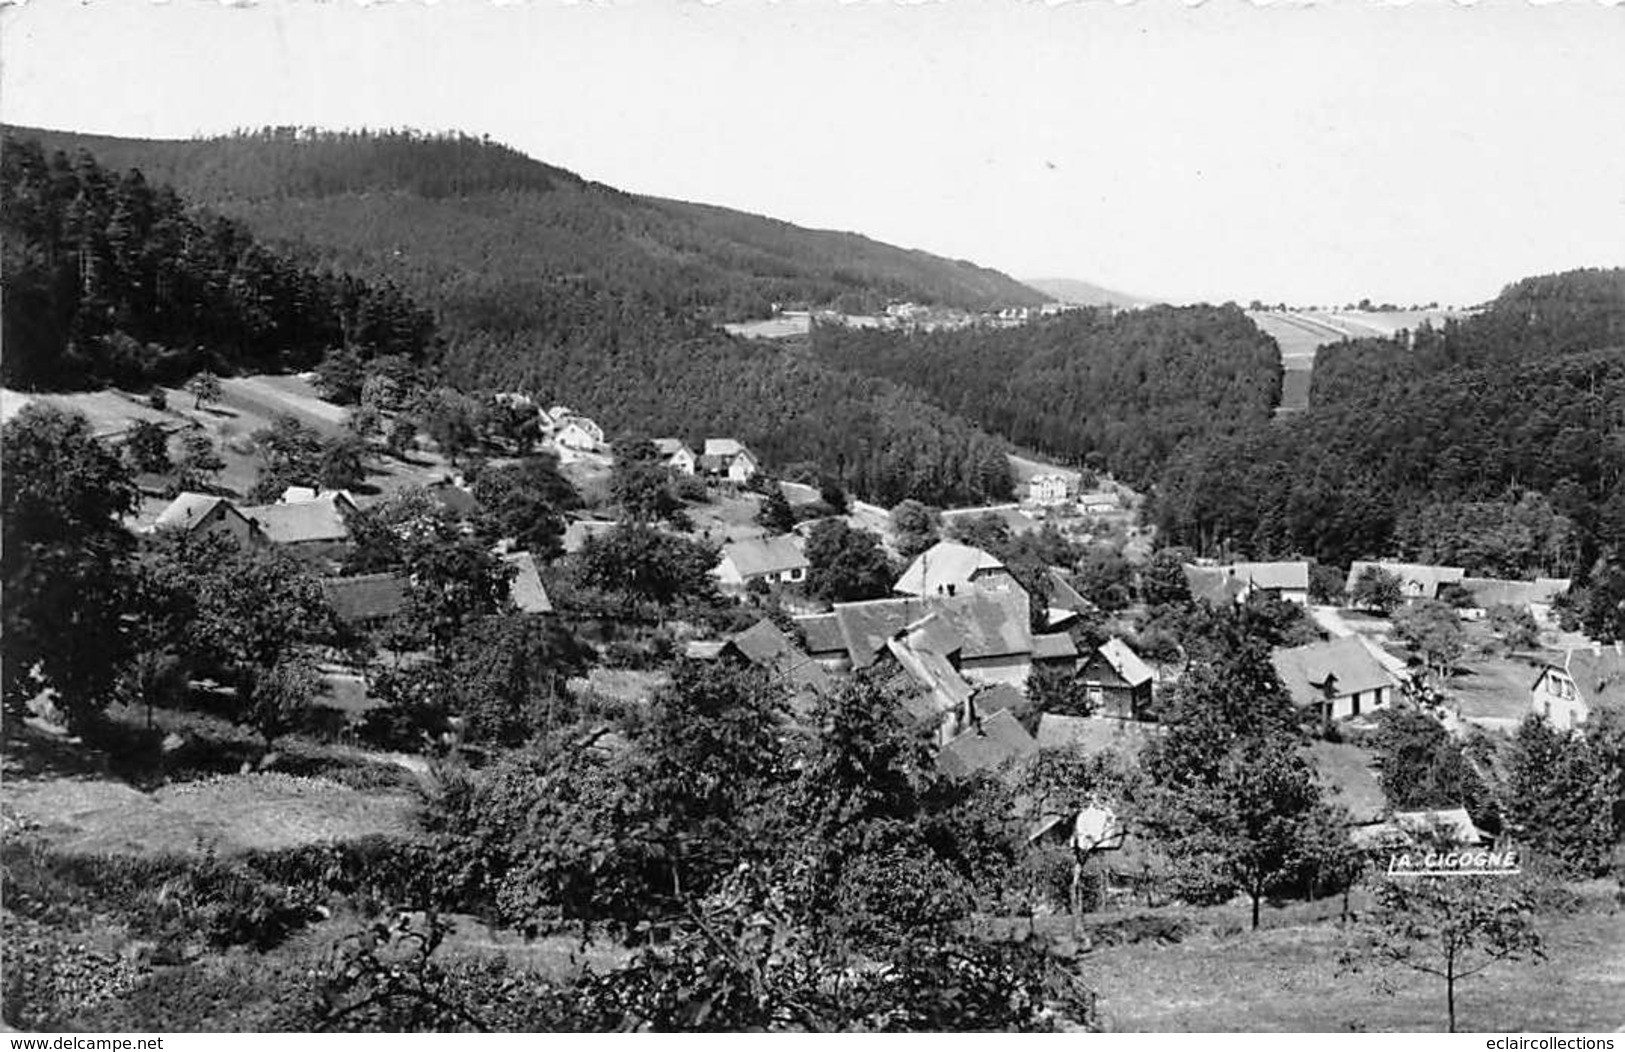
1311	154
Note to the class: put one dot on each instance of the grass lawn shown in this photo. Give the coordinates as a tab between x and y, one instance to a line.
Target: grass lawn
1290	979
1492	687
1348	769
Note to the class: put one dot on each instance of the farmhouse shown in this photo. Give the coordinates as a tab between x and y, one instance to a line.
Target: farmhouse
948	569
1339	678
579	435
1117	682
306	523
771	559
994	633
1283	580
1098	503
1047	489
1211	585
205	515
1588	680
676	455
728	458
1416	580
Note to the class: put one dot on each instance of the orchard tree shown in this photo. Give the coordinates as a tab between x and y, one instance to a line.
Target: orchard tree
526	501
64	561
1433	630
775	515
846	564
1515	625
204	387
1453	928
148	447
342	464
1561	794
915	527
199	463
644	565
1377	589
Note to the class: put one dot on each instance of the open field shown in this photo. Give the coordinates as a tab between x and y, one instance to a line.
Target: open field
1289	978
1301	333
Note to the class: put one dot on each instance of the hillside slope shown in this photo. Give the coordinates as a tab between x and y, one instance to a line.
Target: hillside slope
479	205
1084	293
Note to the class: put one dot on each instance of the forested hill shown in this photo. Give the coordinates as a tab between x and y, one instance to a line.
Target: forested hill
111	278
365	196
1120	389
1496	443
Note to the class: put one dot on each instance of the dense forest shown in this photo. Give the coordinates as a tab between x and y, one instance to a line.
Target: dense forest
1125	388
108	279
444	207
1509	424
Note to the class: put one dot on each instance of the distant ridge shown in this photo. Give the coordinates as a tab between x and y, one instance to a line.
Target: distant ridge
462	205
1071	290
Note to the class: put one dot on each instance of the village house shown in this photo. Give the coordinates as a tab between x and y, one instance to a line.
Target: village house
1048	489
578	435
306	525
1338	678
993	632
1116	682
1588	680
1283	580
775	560
676	455
1416	580
1212	586
206	515
1066	604
764	645
1099	503
728	458
948	568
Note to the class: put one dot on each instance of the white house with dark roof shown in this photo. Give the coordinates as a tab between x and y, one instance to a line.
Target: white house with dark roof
772	559
1283	580
728	458
1587	680
676	455
1338	678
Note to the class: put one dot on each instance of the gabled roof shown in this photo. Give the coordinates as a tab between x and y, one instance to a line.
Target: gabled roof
989	624
525	589
1453	824
1125	662
1054	646
1093	733
822	633
668	447
1341	666
1490	591
366	597
1416	580
933	674
755	556
1290	576
724	447
1598	674
945	568
188	510
322	519
765	645
1063	596
991	743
